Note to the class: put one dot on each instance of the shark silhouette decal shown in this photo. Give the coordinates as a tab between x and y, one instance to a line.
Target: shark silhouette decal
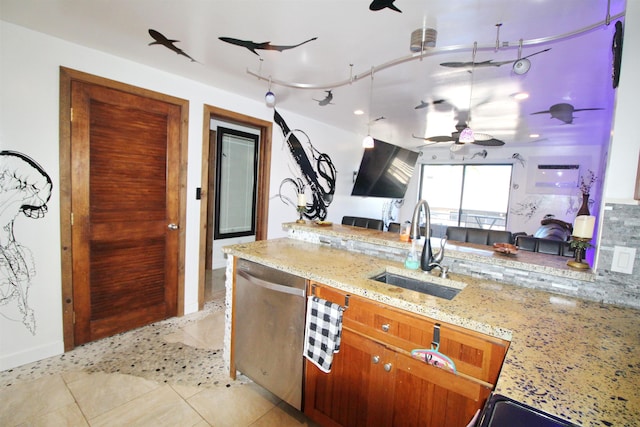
489	63
25	188
564	112
169	44
253	46
327	99
320	178
382	4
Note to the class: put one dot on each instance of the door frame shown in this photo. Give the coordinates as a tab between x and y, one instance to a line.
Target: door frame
263	176
67	76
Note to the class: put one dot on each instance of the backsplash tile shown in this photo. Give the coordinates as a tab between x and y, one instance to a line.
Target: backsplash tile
620	227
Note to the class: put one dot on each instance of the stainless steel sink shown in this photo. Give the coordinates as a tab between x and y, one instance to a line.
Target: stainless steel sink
425	286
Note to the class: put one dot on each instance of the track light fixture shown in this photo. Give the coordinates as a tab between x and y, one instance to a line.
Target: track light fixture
367	142
270	97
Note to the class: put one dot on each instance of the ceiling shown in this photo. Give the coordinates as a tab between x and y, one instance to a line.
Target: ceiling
350	41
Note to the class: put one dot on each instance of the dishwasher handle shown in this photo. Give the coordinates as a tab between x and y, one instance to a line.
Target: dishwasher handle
272	286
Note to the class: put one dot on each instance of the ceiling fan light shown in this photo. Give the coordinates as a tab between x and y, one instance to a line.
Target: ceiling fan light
367	142
270	99
466	136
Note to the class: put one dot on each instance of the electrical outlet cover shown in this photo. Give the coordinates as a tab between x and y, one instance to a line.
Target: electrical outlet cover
623	259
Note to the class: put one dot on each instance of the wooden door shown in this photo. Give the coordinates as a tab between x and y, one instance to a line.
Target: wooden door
125	161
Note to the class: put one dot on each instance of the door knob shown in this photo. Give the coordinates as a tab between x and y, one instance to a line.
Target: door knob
172	226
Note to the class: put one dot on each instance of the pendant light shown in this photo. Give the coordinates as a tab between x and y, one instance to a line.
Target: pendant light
270	97
367	142
466	136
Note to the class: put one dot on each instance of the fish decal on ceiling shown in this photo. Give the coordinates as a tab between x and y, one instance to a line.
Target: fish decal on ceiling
564	112
425	104
319	178
489	63
382	4
253	46
327	99
169	44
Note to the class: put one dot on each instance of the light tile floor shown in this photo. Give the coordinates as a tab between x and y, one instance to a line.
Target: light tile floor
166	374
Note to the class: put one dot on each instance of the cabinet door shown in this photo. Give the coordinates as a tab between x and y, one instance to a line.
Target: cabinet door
357	391
425	396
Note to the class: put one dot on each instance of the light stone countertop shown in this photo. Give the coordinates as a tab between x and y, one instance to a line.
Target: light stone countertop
573	358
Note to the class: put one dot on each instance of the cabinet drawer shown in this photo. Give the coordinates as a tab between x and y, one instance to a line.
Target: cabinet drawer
475	354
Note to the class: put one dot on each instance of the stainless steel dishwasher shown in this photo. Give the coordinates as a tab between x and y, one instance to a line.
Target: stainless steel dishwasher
269	319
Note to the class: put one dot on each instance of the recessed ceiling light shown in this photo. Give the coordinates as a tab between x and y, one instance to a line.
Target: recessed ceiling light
520	96
534	135
358	112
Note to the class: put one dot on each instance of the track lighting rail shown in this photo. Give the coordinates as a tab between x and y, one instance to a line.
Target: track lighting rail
433	52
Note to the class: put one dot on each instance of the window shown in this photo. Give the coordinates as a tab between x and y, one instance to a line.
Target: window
236	168
466	195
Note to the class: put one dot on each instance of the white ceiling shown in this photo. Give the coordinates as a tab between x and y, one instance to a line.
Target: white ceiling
352	40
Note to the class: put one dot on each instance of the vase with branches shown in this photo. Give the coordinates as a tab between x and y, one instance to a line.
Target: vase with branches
586	182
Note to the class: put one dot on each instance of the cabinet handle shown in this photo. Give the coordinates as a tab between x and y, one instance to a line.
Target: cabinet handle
385	327
375	359
387	367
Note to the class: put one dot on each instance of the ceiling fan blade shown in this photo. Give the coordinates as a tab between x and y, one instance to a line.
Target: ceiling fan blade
440	138
424	139
421	146
489	142
482	136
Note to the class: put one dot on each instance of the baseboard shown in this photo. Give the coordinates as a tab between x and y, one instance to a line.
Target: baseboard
10	361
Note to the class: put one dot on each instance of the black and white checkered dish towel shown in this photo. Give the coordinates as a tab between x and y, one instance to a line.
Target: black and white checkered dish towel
323	331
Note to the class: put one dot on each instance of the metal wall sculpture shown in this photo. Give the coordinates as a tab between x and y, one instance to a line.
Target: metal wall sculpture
314	170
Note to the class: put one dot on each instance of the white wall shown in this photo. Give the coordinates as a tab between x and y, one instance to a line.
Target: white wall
29	84
623	156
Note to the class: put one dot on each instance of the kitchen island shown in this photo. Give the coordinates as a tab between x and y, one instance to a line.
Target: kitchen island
577	359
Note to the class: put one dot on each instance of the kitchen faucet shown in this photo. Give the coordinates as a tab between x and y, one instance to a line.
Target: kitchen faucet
428	260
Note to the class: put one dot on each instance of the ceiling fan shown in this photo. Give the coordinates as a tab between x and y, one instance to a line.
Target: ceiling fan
463	117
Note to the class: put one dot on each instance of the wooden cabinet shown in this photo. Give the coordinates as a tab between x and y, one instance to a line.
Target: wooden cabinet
374	381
